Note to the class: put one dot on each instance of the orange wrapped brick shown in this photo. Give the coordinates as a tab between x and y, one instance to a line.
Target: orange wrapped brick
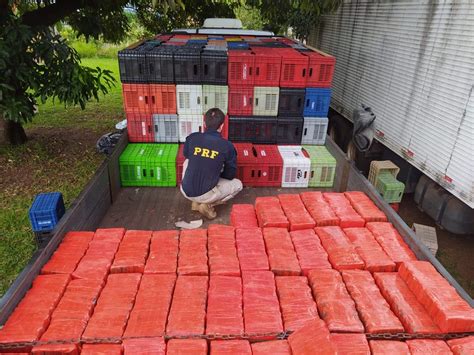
281	253
374	311
319	209
342	208
101	349
137	346
365	207
224	306
311	254
188	308
270	213
404	304
375	259
243	216
192	259
152	303
230	347
31	317
251	249
132	252
388	347
69	253
312	338
70	317
296	302
462	346
163	257
295	211
261	306
448	310
335	305
272	347
186	347
56	349
391	242
99	256
341	252
350	344
428	346
113	307
222	251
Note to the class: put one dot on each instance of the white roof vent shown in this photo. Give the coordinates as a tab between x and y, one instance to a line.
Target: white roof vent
222	23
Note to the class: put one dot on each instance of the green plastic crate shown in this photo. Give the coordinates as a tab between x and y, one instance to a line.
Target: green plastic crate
149	165
389	187
323	166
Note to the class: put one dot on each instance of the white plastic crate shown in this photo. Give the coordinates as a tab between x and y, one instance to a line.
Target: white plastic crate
314	130
215	96
265	102
296	166
165	128
189	124
189	99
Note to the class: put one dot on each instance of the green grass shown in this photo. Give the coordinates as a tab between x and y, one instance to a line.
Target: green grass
98	114
59	156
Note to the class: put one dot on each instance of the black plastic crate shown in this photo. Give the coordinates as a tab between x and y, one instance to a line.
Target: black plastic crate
291	102
187	65
160	65
289	130
214	67
132	62
253	129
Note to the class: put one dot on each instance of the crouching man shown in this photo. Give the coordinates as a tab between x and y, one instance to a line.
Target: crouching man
210	167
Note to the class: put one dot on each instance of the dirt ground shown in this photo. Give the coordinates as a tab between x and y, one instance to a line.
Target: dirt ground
455	252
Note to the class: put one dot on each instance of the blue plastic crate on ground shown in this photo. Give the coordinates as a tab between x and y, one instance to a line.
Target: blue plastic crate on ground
46	211
317	102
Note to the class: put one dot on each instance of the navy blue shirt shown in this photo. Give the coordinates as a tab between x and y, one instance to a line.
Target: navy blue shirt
210	157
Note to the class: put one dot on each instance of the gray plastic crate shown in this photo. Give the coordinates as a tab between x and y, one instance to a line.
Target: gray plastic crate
314	130
165	128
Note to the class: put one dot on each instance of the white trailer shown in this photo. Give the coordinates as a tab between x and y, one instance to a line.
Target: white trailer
412	62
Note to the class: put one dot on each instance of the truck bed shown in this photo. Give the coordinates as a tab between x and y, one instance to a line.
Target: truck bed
103	203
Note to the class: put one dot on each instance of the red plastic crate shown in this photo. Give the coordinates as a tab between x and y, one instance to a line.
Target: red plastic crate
136	98
240	100
240	67
320	69
270	165
267	67
179	164
162	98
294	68
246	163
140	127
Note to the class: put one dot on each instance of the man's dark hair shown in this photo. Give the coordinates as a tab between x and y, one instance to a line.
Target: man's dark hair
214	118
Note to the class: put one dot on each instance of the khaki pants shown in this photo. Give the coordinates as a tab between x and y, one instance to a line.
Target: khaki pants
221	193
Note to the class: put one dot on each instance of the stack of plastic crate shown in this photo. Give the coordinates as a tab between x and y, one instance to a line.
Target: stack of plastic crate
383	175
148	165
323	166
259	165
296	166
273	90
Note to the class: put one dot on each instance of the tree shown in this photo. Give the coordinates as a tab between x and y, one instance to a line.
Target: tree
37	64
299	15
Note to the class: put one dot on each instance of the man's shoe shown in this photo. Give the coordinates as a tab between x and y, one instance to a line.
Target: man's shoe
195	206
207	211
